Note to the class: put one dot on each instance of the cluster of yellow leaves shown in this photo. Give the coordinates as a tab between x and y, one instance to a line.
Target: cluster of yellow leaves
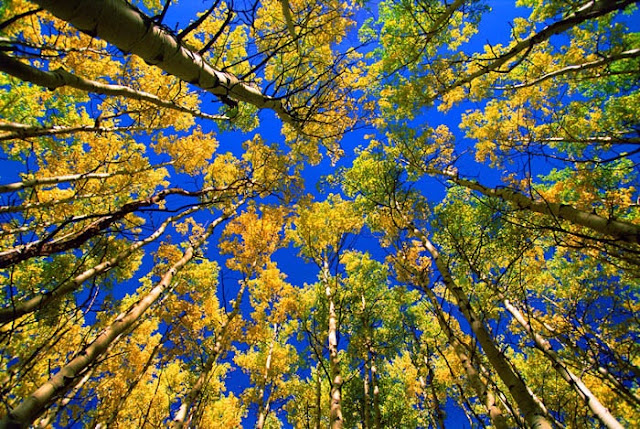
411	259
319	229
194	299
403	369
252	238
225	412
273	298
189	227
29	28
224	171
269	167
191	153
262	169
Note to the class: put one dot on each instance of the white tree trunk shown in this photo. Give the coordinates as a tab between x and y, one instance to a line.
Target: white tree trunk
33	406
125	27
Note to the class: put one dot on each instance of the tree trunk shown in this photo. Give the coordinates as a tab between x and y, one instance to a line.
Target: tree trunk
30	305
336	420
575	382
46	421
30	183
589	10
263	405
621	230
130	388
366	397
377	415
470	367
46	246
32	407
125	27
366	385
60	77
185	411
530	407
439	415
318	414
22	131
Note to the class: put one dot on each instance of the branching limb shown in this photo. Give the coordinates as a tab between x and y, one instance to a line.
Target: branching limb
60	77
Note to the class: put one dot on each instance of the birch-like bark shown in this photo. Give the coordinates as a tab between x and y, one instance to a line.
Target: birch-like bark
33	406
439	415
366	385
17	208
60	77
21	131
127	396
46	421
598	410
46	247
336	420
589	10
623	391
263	404
631	53
67	178
318	415
377	415
366	397
534	413
467	361
125	27
19	309
620	230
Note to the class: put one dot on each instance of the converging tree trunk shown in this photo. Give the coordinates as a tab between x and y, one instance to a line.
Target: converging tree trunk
33	406
336	418
530	407
120	24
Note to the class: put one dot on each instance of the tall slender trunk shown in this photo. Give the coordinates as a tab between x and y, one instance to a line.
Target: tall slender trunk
60	77
263	405
468	363
377	415
336	420
33	406
318	415
20	308
533	411
620	389
48	246
599	410
67	178
366	385
621	230
121	401
46	421
589	10
22	131
439	415
366	396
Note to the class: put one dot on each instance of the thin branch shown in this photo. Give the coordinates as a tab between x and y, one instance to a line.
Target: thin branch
633	53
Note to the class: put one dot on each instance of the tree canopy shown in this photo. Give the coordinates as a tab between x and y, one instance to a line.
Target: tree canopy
301	213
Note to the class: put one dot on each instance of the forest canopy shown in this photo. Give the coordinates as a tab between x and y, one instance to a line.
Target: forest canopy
301	213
